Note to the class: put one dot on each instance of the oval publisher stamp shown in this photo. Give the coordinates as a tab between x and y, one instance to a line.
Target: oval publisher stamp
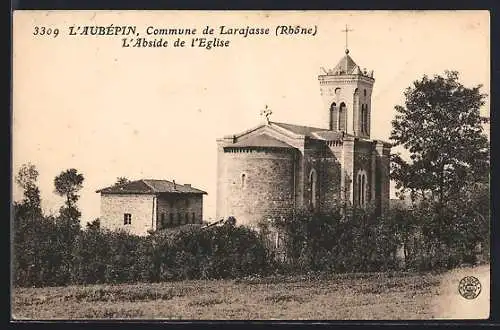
469	287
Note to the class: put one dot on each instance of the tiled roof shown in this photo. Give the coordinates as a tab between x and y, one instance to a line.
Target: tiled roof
262	140
345	66
150	186
300	130
329	135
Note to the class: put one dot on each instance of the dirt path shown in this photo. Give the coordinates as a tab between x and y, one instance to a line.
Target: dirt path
449	304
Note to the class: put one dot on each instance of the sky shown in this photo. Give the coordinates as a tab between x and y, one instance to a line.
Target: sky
86	102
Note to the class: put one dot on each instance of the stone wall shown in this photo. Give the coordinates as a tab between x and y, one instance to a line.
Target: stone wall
363	162
141	208
256	183
326	163
178	209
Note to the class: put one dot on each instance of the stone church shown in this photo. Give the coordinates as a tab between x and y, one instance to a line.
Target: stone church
273	168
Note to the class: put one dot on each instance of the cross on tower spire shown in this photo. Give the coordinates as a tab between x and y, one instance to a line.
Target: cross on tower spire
346	30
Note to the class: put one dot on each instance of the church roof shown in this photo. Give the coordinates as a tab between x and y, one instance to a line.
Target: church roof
330	135
298	129
262	140
150	186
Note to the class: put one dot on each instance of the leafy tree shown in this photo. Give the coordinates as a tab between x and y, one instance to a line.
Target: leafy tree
28	220
26	178
67	184
94	225
441	127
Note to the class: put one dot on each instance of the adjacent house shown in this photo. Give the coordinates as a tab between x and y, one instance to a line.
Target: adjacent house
143	205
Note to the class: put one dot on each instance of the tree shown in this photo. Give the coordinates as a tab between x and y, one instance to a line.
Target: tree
27	225
441	127
27	179
94	225
121	180
67	184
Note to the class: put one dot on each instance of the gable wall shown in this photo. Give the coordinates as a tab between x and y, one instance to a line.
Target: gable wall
113	207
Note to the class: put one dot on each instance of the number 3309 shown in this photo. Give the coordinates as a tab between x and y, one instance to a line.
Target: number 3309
43	31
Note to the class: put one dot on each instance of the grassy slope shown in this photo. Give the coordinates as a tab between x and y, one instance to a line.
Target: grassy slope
354	296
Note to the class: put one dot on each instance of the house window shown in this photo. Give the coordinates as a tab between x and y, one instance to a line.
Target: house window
127	219
192	217
313	178
362	185
342	117
186	216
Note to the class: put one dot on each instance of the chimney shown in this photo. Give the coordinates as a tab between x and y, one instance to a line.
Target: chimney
175	186
187	185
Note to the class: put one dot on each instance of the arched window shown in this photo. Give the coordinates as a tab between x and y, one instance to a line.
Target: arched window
365	119
342	117
362	118
333	115
243	180
313	179
362	188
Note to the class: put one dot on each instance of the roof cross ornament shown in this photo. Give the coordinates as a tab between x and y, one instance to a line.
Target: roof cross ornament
266	113
346	30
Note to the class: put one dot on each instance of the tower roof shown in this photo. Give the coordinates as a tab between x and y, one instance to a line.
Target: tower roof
346	65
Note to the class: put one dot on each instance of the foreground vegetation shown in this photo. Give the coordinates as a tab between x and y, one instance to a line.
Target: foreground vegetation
313	296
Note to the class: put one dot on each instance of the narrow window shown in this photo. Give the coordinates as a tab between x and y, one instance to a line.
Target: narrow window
342	117
127	219
186	216
192	217
333	115
363	118
366	118
243	180
313	186
361	188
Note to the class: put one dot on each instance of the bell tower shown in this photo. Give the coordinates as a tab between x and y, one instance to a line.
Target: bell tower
346	91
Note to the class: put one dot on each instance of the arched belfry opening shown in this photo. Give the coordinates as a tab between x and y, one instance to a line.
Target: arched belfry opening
333	116
342	126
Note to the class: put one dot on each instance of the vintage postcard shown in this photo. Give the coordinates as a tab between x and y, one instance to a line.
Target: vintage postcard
250	165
